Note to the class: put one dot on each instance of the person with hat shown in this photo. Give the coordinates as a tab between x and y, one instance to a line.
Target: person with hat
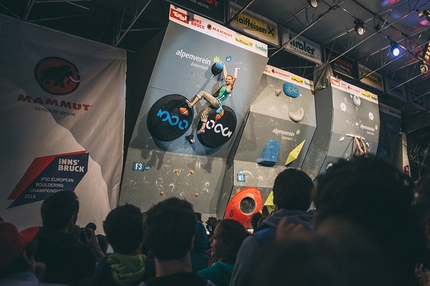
17	250
217	100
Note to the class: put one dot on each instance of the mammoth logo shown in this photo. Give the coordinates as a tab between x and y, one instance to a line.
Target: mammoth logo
57	76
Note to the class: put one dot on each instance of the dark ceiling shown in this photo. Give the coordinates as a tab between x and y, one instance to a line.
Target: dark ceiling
129	24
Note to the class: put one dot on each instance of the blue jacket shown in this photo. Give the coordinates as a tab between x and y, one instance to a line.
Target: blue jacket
264	235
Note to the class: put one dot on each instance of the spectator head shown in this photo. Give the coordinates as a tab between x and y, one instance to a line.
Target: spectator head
60	210
318	261
200	238
169	229
373	194
199	216
227	239
124	229
368	191
17	249
255	220
292	190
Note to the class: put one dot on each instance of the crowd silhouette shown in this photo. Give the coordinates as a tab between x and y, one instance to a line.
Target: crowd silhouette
361	222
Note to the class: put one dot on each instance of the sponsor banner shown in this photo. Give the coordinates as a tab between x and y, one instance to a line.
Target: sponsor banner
416	99
212	9
216	30
48	175
392	89
61	122
374	79
390	110
288	77
255	25
342	65
353	90
301	46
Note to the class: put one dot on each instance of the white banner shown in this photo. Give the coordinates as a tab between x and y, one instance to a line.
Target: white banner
373	79
213	29
62	104
255	25
301	46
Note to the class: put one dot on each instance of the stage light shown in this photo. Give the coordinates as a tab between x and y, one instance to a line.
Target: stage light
426	52
313	3
422	13
359	27
395	49
424	68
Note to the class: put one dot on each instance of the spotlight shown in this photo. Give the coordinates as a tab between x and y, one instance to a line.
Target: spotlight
426	52
395	49
424	68
313	3
359	27
422	13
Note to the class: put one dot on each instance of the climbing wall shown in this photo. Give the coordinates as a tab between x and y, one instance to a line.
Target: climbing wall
343	111
166	157
277	133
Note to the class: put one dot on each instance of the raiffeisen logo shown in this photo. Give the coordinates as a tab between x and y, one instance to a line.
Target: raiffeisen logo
302	46
179	16
296	79
371	77
243	41
366	94
248	22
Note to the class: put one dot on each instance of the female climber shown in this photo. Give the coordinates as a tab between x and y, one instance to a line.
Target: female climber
217	100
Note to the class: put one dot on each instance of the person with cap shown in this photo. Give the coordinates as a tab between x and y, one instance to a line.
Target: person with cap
217	100
17	250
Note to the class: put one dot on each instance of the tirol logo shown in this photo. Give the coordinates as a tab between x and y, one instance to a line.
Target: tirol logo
169	118
57	76
218	132
179	15
48	175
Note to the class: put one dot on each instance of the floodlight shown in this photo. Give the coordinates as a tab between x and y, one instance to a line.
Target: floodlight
424	68
426	52
313	3
422	13
395	49
359	27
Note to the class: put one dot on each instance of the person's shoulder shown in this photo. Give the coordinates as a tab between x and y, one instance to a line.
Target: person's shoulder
179	279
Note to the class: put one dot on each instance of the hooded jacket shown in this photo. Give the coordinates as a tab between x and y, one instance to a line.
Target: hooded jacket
249	252
118	269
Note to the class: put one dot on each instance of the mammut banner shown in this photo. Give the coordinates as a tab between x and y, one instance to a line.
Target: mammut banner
61	122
